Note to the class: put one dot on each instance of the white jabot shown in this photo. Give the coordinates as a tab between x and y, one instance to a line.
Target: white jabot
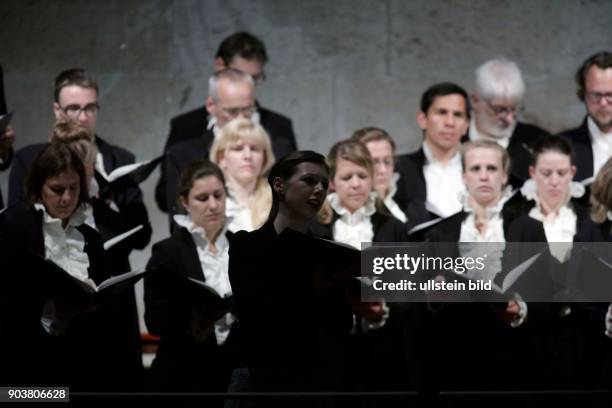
444	184
601	144
353	228
559	227
214	268
472	241
475	135
239	215
391	205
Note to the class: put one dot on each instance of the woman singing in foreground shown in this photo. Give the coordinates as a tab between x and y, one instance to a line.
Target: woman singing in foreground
293	312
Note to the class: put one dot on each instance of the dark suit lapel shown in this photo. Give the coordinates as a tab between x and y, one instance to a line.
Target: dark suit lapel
583	152
188	254
107	154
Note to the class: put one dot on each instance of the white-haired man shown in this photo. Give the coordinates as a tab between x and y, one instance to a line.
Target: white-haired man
496	103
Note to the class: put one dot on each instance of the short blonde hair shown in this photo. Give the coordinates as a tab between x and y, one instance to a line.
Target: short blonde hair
353	151
243	130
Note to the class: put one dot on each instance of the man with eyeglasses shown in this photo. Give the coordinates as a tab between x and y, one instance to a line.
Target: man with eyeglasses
244	52
76	98
592	141
496	104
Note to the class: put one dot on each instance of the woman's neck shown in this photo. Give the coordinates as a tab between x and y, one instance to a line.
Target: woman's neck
481	216
382	192
242	191
285	220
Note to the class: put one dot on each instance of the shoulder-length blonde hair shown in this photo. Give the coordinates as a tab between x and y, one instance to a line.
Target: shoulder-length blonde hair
601	193
245	130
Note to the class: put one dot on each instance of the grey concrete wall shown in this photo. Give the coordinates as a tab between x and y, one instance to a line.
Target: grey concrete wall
335	65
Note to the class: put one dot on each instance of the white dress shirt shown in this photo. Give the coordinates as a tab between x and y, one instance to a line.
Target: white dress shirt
391	205
472	241
239	215
559	227
353	228
601	144
444	184
214	268
64	246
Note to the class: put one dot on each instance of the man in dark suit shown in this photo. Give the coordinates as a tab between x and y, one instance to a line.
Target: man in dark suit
431	178
76	98
592	141
6	138
496	103
244	52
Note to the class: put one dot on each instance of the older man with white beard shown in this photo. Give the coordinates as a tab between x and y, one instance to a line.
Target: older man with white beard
496	104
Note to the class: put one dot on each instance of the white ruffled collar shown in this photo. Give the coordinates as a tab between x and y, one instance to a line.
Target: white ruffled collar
77	218
529	190
506	195
367	210
186	222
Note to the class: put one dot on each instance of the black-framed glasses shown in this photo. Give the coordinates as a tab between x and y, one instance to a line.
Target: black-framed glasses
500	110
259	78
74	111
247	111
596	97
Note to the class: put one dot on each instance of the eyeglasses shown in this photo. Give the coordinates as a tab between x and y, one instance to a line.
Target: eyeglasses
505	110
596	97
234	112
260	78
74	111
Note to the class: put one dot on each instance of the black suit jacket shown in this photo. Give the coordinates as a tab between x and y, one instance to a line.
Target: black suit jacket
274	279
192	125
411	192
181	362
89	354
519	148
580	139
566	349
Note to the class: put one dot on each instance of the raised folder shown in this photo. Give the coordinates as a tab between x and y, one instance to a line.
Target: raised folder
207	300
126	176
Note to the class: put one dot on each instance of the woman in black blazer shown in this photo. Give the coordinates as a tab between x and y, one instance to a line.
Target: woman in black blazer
57	336
566	339
354	214
188	296
489	333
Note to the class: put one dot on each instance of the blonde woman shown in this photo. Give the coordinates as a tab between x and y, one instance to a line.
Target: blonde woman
244	152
